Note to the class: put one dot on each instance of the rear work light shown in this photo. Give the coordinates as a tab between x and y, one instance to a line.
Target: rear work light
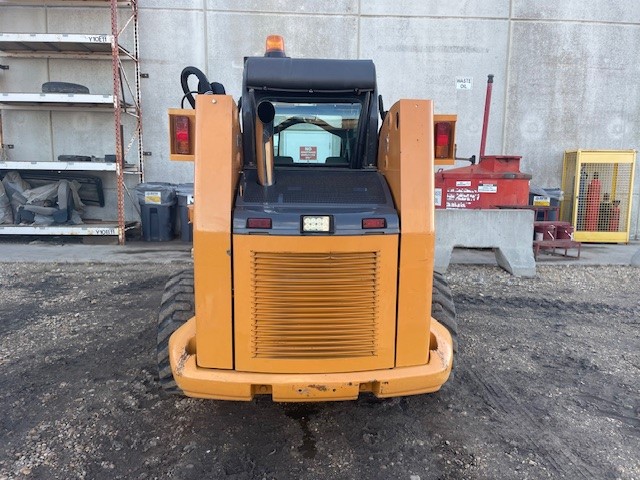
443	139
316	223
374	223
181	135
259	223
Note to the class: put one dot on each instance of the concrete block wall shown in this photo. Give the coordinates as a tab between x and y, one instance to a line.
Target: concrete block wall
565	72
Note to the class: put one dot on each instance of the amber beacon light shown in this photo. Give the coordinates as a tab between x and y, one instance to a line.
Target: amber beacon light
274	46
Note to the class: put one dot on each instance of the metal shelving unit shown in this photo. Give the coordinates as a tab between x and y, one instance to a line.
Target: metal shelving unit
56	101
65	166
59	45
125	100
98	228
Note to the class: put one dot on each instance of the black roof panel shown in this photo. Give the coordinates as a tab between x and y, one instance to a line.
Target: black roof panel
304	74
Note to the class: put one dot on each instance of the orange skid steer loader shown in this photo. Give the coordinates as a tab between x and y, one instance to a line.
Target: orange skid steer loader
313	240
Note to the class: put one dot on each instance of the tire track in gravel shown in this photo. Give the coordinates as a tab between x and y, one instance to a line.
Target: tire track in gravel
561	459
610	408
552	452
546	305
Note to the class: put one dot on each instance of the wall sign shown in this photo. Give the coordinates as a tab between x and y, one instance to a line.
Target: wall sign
464	83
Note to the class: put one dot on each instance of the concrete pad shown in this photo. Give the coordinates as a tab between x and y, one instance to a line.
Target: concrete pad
590	254
509	232
43	251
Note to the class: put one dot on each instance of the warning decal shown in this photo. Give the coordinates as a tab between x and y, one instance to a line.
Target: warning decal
488	188
152	198
308	153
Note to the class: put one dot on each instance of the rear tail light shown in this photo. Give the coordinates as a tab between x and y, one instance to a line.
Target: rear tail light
443	139
181	132
259	223
374	223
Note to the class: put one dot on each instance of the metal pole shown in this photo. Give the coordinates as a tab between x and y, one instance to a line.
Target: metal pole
115	65
485	123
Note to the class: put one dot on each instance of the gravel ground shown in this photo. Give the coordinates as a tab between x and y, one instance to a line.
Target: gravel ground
546	386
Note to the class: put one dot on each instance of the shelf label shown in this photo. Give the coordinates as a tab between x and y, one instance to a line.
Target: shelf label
153	198
106	231
97	38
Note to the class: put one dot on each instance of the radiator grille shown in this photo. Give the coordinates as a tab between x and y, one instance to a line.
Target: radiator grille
314	305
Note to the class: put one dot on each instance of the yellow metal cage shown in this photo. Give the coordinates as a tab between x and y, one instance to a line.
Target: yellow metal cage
598	186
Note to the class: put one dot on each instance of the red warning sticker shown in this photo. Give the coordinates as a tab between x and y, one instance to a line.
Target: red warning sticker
308	153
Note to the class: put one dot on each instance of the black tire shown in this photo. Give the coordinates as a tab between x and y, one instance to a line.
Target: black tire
63	87
442	307
178	306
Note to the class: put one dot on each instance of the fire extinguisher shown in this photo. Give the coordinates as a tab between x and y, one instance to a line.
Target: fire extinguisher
614	224
593	204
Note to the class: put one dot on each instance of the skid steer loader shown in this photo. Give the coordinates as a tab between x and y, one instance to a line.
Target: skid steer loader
313	240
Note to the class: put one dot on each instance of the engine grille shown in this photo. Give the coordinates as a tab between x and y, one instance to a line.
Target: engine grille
314	305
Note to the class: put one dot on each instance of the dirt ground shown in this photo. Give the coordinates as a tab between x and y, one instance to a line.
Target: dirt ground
547	385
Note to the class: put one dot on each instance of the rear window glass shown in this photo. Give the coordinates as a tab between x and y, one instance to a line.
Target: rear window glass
315	133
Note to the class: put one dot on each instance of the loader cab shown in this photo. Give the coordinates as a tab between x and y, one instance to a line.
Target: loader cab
304	286
325	115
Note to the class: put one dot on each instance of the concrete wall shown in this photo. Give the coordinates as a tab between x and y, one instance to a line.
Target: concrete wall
566	72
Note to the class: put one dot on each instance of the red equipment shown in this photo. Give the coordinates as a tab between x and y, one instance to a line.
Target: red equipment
494	182
593	204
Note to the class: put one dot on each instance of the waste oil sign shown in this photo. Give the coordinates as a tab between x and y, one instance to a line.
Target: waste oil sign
464	83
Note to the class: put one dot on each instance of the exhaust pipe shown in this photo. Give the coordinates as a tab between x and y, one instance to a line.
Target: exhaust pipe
264	142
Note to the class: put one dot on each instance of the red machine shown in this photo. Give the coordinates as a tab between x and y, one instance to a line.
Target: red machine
495	181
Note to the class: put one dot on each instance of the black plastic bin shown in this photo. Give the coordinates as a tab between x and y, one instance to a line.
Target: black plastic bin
157	210
184	193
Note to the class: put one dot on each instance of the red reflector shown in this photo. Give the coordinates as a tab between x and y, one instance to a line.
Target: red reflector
443	137
443	130
258	223
181	129
374	223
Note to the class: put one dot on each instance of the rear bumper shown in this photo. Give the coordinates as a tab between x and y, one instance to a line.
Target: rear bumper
287	387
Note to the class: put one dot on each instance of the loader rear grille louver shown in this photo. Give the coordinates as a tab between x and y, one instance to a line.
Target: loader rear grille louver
314	305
